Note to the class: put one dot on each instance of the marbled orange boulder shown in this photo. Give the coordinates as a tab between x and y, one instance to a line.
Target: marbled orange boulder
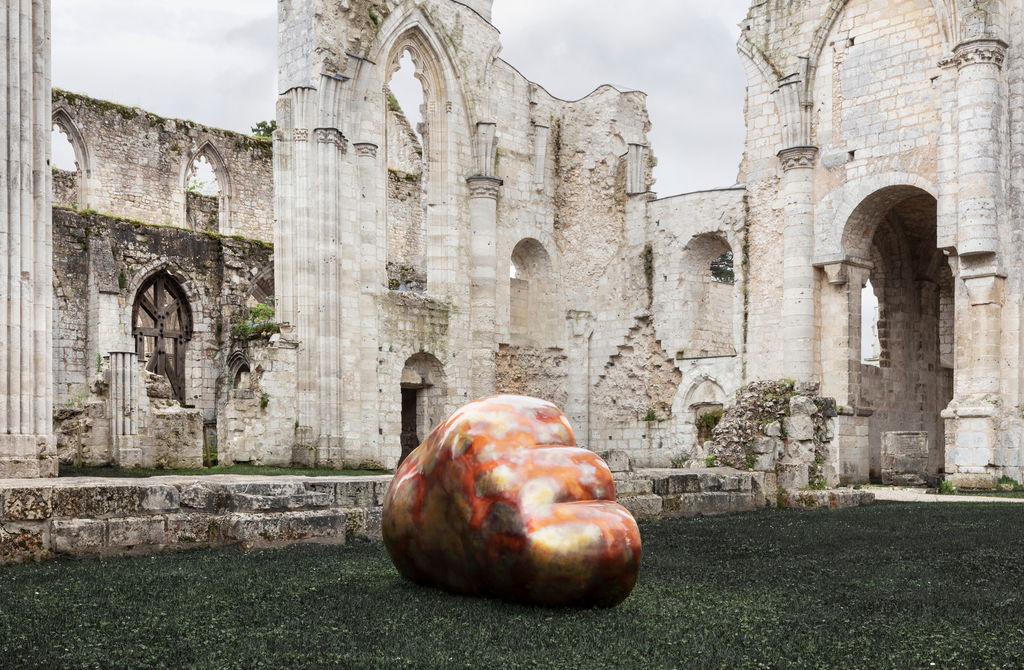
499	501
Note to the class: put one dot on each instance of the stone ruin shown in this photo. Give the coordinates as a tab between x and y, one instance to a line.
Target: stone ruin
512	241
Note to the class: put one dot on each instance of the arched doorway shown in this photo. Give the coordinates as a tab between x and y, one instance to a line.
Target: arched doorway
709	277
162	328
531	313
424	394
900	332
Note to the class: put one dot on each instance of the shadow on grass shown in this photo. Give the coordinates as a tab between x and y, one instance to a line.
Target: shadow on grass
889	586
246	470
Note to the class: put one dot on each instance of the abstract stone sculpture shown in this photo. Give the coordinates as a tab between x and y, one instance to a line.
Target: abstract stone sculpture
499	501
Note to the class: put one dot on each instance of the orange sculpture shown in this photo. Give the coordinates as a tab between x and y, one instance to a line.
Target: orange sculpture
499	501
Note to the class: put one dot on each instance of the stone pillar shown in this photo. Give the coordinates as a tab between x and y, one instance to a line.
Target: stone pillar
973	420
123	409
841	334
979	105
369	288
798	273
483	207
27	446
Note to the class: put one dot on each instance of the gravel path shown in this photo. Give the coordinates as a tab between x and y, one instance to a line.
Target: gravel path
918	495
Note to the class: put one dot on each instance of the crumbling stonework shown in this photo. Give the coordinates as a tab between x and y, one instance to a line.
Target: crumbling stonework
137	165
532	372
782	429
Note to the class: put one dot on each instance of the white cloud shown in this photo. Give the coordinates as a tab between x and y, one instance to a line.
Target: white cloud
215	62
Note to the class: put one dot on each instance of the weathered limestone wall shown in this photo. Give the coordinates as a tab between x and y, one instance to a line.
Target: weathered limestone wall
26	246
881	147
115	516
137	165
100	265
542	261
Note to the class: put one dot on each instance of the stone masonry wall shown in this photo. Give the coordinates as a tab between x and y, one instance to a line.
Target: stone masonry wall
137	166
100	264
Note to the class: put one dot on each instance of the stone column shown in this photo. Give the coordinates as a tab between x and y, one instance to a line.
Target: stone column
369	288
483	207
798	273
123	409
27	447
841	334
979	105
972	422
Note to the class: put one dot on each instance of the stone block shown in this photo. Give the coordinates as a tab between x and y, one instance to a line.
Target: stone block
190	529
773	429
380	490
136	531
905	458
98	501
21	544
356	494
765	445
675	484
802	406
793	476
974	481
161	499
29	504
199	497
372	521
254	530
618	461
643	506
78	536
710	481
633	487
799	428
765	463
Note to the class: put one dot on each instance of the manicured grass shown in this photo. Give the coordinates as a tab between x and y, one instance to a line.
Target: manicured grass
248	470
889	586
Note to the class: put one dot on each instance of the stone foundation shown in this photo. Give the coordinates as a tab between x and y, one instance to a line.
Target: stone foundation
104	517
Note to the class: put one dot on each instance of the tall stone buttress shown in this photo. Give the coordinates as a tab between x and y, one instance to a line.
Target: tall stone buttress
27	447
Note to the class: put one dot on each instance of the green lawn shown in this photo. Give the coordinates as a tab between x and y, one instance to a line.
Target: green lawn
889	586
247	470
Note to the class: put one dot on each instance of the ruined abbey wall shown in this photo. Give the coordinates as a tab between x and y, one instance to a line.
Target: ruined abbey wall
134	164
100	265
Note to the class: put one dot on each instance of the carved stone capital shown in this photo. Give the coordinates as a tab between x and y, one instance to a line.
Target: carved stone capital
366	149
798	157
984	51
300	134
331	136
484	187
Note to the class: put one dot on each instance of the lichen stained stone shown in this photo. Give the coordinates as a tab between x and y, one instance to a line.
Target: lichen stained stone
498	501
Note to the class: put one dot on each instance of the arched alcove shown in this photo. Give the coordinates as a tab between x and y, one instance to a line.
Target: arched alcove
162	329
424	396
532	295
708	279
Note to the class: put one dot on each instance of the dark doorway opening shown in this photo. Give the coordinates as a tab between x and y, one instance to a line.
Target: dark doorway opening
409	422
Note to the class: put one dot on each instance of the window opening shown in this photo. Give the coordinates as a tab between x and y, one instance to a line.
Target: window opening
202	192
64	165
870	344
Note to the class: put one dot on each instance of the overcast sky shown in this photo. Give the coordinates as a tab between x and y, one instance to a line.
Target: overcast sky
215	62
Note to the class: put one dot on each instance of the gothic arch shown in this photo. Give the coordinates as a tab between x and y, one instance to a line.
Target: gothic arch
62	119
220	168
162	325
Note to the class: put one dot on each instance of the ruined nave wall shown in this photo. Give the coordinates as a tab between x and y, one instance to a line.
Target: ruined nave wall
136	165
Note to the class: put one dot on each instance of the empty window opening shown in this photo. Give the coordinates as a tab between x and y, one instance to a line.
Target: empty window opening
162	329
64	164
406	204
708	285
870	344
202	194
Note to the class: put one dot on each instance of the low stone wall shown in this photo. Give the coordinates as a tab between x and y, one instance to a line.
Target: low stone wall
82	517
103	517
